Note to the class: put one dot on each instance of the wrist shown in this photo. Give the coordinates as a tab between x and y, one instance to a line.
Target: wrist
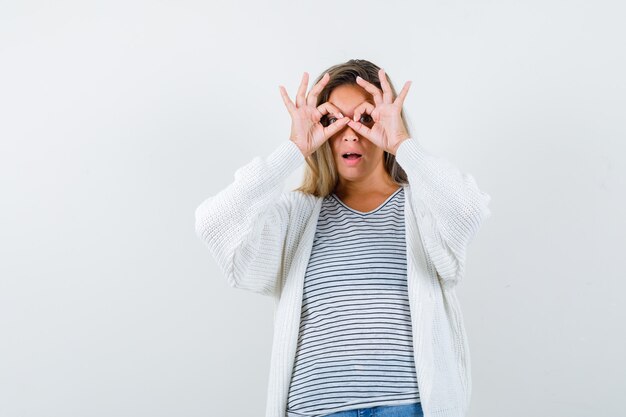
394	149
302	151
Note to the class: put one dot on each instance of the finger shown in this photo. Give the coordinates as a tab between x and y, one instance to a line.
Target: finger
311	98
300	100
400	99
288	103
333	128
372	89
360	128
387	93
330	109
326	108
365	107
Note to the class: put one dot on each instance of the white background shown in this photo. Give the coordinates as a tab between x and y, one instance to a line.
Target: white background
118	118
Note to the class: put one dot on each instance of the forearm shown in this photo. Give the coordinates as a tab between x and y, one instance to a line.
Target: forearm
453	206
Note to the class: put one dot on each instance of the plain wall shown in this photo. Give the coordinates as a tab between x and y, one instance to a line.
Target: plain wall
118	118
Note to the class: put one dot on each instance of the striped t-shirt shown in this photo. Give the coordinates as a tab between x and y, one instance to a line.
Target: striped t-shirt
355	346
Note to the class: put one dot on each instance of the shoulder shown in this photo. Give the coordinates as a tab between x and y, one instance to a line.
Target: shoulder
300	202
298	205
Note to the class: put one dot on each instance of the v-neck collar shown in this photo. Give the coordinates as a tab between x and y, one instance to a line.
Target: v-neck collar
373	210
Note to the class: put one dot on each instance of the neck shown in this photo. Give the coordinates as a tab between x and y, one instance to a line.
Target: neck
374	184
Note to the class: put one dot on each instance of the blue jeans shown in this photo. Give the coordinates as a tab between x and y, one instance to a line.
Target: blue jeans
403	410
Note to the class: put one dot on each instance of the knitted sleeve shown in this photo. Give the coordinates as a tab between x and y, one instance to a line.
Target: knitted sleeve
450	205
244	225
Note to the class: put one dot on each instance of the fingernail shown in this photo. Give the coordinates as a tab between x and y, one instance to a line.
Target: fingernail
340	115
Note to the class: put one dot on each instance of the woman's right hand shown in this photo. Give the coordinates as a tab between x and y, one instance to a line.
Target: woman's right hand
306	130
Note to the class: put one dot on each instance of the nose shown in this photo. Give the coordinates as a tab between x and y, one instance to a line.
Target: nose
349	135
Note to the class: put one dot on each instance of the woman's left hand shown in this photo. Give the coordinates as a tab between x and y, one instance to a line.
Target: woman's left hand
388	130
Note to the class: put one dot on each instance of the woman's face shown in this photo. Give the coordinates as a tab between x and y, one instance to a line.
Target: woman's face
347	98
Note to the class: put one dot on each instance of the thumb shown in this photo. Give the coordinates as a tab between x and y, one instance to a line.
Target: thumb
360	128
333	128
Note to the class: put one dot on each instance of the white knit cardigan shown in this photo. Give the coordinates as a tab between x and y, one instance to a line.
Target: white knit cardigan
261	238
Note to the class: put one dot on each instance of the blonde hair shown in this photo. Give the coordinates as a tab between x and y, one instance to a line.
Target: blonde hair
320	175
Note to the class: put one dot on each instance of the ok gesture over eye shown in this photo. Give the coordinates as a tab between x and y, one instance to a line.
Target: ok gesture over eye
306	129
388	130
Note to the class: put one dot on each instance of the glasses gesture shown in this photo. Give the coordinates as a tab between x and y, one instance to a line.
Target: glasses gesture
388	130
306	129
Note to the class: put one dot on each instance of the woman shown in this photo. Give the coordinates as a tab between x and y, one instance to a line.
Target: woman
361	260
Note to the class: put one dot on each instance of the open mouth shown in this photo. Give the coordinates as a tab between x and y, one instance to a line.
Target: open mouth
351	155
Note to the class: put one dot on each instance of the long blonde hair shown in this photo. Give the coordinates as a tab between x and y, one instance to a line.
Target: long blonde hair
320	175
